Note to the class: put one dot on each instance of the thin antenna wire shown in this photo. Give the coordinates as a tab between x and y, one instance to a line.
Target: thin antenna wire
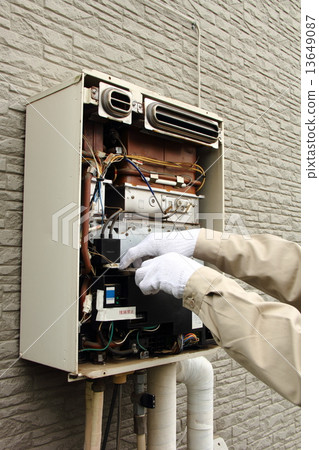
195	24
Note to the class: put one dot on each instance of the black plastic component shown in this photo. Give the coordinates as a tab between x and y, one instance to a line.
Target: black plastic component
160	320
109	249
151	310
147	400
144	399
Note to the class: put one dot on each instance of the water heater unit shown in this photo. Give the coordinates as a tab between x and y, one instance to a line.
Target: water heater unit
107	163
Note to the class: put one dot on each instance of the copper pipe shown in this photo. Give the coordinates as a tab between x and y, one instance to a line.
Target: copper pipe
91	344
86	222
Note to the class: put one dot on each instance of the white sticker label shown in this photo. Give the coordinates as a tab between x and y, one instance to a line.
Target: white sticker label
122	313
196	322
99	299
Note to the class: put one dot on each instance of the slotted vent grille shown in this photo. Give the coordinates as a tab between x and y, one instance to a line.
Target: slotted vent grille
180	122
116	102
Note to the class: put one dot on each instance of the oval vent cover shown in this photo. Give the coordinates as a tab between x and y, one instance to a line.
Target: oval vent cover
115	103
177	121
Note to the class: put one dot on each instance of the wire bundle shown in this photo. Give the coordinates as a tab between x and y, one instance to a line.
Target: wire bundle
194	167
111	158
190	339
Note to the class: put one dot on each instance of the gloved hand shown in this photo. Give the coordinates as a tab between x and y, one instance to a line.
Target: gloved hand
168	273
155	244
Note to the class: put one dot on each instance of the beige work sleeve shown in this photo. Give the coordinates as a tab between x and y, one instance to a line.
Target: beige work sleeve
264	337
266	262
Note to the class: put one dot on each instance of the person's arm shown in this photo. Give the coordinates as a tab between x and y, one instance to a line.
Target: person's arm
266	262
264	337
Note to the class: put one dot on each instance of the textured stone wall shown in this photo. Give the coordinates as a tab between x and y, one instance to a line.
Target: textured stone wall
250	76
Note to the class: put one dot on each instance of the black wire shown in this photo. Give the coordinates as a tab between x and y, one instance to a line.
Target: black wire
147	183
95	191
113	216
119	418
112	225
109	419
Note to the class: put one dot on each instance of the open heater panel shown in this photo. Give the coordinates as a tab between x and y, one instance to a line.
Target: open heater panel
112	163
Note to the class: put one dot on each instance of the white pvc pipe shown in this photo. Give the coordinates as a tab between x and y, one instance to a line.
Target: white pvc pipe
161	421
93	419
197	374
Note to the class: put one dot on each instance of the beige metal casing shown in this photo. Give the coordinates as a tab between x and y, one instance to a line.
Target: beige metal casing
51	222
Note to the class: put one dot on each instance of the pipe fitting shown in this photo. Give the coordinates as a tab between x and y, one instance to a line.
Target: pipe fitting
197	374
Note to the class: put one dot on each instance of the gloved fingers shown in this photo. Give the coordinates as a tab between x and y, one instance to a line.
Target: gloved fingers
137	263
150	261
139	275
140	251
133	254
146	282
128	258
147	289
169	273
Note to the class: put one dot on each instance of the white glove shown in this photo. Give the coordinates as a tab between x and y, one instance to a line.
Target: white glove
168	273
156	244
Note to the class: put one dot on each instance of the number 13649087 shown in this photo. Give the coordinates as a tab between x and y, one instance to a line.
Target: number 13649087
310	45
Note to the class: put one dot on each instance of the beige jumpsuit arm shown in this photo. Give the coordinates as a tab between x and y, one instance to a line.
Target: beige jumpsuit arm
262	336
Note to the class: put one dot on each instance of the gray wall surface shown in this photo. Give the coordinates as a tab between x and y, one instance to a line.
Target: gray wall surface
250	77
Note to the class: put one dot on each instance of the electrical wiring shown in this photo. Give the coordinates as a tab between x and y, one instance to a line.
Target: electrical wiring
112	216
127	342
98	168
141	173
124	147
179	165
190	335
110	415
203	181
151	329
190	339
111	159
113	224
151	218
147	329
178	345
119	417
100	198
93	195
97	191
102	256
148	172
138	342
101	349
86	319
147	183
123	340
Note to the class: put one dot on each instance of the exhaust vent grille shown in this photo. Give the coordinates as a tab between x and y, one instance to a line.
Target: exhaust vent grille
115	103
182	123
